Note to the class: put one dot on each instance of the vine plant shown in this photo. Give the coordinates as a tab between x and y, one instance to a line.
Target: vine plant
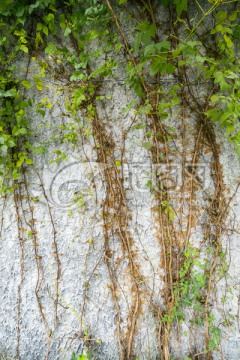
185	61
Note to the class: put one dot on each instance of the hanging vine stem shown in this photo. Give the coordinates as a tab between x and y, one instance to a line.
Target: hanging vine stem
38	258
55	252
21	235
117	223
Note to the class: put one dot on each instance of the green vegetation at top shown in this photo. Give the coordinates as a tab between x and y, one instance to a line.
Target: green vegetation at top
203	48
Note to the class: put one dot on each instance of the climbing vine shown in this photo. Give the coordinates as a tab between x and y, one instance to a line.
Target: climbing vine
180	61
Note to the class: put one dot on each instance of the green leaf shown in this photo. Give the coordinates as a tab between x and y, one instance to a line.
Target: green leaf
155	48
49	18
52	28
220	16
138	126
45	30
163	45
26	84
19	163
24	48
234	15
7	93
220	79
137	86
149	49
170	68
154	67
4	148
228	41
118	47
147	31
38	39
39	85
15	174
181	5
39	26
146	145
33	6
20	11
67	31
28	161
158	65
50	48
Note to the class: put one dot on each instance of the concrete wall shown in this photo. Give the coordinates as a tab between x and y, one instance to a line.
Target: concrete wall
53	237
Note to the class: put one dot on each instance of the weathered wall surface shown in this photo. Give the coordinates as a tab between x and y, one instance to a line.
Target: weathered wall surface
82	242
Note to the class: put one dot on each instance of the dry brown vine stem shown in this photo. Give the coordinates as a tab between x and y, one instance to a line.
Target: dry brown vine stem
30	222
55	251
116	223
16	196
166	250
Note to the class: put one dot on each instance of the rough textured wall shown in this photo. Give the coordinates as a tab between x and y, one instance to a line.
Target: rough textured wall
82	251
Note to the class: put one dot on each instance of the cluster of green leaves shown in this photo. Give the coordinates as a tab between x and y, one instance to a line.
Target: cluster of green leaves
16	19
218	63
26	28
13	123
86	355
88	23
190	293
225	70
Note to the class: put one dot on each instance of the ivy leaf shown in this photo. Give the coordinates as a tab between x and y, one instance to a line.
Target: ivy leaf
170	68
155	48
228	41
39	26
49	18
150	49
147	32
28	161
6	93
11	143
159	65
39	85
24	48
154	67
4	148
26	84
181	5
50	48
214	114
137	86
138	126
15	174
146	145
163	45
67	31
33	6
20	11
45	30
220	79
